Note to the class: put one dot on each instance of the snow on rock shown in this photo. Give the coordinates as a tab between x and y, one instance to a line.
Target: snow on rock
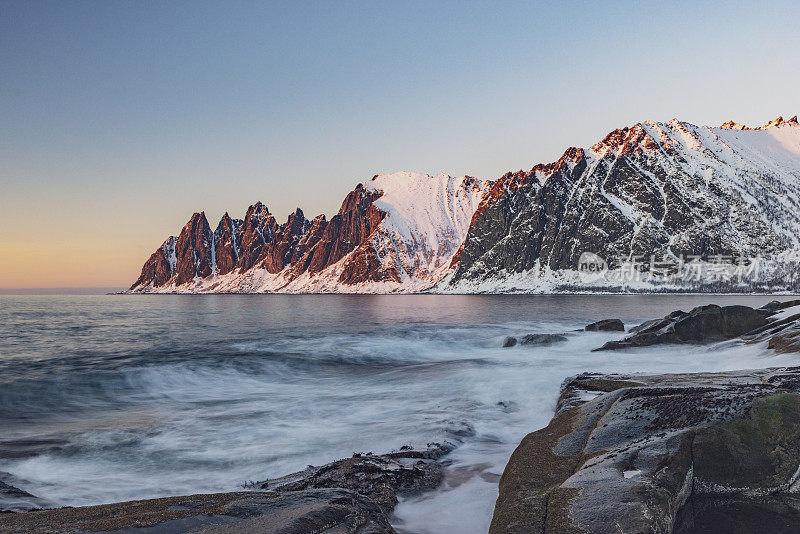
427	220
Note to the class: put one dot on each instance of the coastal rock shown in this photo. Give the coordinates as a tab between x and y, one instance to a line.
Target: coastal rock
13	499
773	307
324	511
353	496
782	332
534	339
685	453
379	477
542	339
606	325
702	324
509	341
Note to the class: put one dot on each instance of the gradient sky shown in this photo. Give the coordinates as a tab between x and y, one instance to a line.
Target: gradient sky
120	119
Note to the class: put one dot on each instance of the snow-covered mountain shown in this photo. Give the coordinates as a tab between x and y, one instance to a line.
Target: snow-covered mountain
668	206
397	232
663	206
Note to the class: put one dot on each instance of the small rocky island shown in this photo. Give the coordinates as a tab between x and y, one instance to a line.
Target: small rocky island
703	453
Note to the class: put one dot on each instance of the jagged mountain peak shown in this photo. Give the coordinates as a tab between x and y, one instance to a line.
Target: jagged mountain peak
197	217
398	230
779	121
258	209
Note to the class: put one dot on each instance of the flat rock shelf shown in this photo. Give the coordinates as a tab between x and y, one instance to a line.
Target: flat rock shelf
685	453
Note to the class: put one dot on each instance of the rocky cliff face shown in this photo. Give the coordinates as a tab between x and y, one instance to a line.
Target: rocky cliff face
658	206
228	243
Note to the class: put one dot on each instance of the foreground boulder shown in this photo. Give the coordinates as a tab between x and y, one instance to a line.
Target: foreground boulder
773	307
782	332
13	499
330	511
381	478
693	453
350	496
704	323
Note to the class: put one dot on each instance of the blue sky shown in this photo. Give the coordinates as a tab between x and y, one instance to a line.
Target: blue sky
119	119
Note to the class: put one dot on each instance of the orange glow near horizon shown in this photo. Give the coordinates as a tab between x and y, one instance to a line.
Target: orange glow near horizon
68	264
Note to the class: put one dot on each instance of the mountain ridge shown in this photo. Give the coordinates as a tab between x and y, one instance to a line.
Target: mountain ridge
383	238
670	188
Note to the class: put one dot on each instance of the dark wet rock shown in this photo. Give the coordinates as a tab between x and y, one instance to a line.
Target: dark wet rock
773	307
13	499
379	477
788	304
655	324
770	308
702	324
606	325
785	341
330	511
688	453
534	339
509	341
776	515
508	406
781	335
542	339
350	496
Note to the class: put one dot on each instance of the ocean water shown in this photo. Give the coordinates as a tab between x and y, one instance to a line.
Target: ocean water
115	397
